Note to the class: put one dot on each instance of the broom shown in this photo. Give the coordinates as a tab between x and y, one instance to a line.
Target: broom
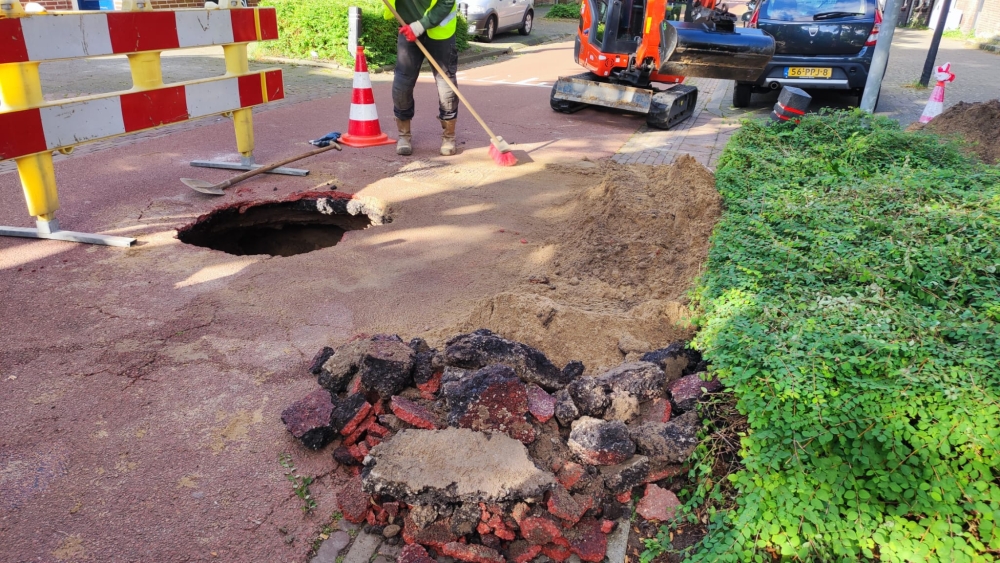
499	149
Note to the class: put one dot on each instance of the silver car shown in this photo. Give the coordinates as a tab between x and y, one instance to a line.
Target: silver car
489	17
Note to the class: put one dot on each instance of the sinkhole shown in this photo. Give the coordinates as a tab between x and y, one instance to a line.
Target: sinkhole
297	225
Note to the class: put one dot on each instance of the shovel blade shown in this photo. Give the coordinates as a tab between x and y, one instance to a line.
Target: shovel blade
202	186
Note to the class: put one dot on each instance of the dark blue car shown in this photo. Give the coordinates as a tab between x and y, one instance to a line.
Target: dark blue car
819	44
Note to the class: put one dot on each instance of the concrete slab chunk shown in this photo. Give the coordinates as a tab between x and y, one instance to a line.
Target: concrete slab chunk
454	465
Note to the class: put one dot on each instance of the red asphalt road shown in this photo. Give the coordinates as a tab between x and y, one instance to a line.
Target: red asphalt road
140	389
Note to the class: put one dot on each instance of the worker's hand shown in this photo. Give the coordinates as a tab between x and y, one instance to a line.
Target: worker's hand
412	31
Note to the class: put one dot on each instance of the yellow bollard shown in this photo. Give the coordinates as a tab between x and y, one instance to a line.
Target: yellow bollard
237	64
21	88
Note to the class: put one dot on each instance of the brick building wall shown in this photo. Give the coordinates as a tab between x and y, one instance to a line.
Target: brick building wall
988	22
54	4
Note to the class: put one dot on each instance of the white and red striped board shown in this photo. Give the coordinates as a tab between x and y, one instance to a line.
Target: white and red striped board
50	37
65	124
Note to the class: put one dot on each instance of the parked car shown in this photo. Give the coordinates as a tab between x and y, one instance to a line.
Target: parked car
489	17
819	44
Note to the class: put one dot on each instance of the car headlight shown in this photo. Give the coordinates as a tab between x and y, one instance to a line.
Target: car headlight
477	10
472	28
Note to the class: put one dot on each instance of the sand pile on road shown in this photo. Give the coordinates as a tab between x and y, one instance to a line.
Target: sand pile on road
643	230
628	251
977	124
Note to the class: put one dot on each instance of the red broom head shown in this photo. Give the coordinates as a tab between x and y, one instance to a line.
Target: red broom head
502	158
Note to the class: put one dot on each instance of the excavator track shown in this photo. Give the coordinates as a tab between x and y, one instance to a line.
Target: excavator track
663	108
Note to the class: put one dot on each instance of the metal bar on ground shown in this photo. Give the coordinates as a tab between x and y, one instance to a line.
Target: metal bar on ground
247	164
50	230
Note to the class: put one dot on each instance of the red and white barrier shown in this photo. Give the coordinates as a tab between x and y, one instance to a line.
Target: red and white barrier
363	129
58	125
91	34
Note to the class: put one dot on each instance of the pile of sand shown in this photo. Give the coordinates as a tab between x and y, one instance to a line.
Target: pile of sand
629	248
977	125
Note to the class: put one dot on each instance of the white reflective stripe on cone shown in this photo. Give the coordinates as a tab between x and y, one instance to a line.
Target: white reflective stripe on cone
363	112
362	80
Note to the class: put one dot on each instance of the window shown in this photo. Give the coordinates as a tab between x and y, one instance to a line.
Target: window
804	10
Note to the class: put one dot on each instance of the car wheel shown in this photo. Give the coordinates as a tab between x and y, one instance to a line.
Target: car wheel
491	30
529	20
741	95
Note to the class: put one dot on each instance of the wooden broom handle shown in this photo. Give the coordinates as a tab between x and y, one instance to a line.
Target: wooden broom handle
269	167
442	73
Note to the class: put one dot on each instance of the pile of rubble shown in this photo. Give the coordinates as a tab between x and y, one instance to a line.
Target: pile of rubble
487	452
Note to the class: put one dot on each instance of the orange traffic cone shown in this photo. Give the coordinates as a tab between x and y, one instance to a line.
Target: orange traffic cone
363	129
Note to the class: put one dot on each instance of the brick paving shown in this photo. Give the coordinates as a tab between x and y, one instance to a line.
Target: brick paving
703	135
706	133
74	78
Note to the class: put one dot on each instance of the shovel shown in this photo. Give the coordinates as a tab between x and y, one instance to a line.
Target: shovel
217	189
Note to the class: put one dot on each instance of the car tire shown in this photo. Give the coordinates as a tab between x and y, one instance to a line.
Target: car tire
527	23
742	94
490	31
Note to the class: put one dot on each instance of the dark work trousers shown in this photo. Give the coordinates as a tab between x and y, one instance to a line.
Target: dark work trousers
408	61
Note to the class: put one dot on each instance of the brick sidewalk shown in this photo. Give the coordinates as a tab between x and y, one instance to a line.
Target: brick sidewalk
703	135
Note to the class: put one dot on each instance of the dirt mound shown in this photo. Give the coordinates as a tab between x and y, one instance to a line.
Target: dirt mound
976	124
643	230
618	269
599	339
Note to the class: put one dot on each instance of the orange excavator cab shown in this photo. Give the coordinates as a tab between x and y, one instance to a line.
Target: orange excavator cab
636	59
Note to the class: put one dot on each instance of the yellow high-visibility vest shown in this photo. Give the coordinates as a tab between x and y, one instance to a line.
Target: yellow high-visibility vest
443	30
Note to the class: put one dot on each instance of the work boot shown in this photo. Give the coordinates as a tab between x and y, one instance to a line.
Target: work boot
403	145
448	137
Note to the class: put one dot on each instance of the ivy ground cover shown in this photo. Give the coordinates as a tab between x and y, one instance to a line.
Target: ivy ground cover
851	301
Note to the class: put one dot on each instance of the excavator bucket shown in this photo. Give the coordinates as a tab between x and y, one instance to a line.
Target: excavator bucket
708	50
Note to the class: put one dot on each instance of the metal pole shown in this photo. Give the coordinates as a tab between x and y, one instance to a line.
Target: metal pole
925	76
353	28
880	58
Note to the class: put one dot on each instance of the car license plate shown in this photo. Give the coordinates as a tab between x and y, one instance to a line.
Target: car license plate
807	72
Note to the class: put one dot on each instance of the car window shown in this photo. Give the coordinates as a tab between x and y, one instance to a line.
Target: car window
804	10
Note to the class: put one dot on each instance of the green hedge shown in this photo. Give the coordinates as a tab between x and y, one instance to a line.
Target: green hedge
851	301
564	11
305	26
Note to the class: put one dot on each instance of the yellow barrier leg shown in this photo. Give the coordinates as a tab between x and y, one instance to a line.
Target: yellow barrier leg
21	88
38	179
237	64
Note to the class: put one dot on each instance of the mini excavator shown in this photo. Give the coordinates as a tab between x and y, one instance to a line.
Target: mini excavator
627	46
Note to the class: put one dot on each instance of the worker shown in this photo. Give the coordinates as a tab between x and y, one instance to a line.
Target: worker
434	23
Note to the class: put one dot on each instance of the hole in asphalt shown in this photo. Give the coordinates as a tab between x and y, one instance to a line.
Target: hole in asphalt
280	228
